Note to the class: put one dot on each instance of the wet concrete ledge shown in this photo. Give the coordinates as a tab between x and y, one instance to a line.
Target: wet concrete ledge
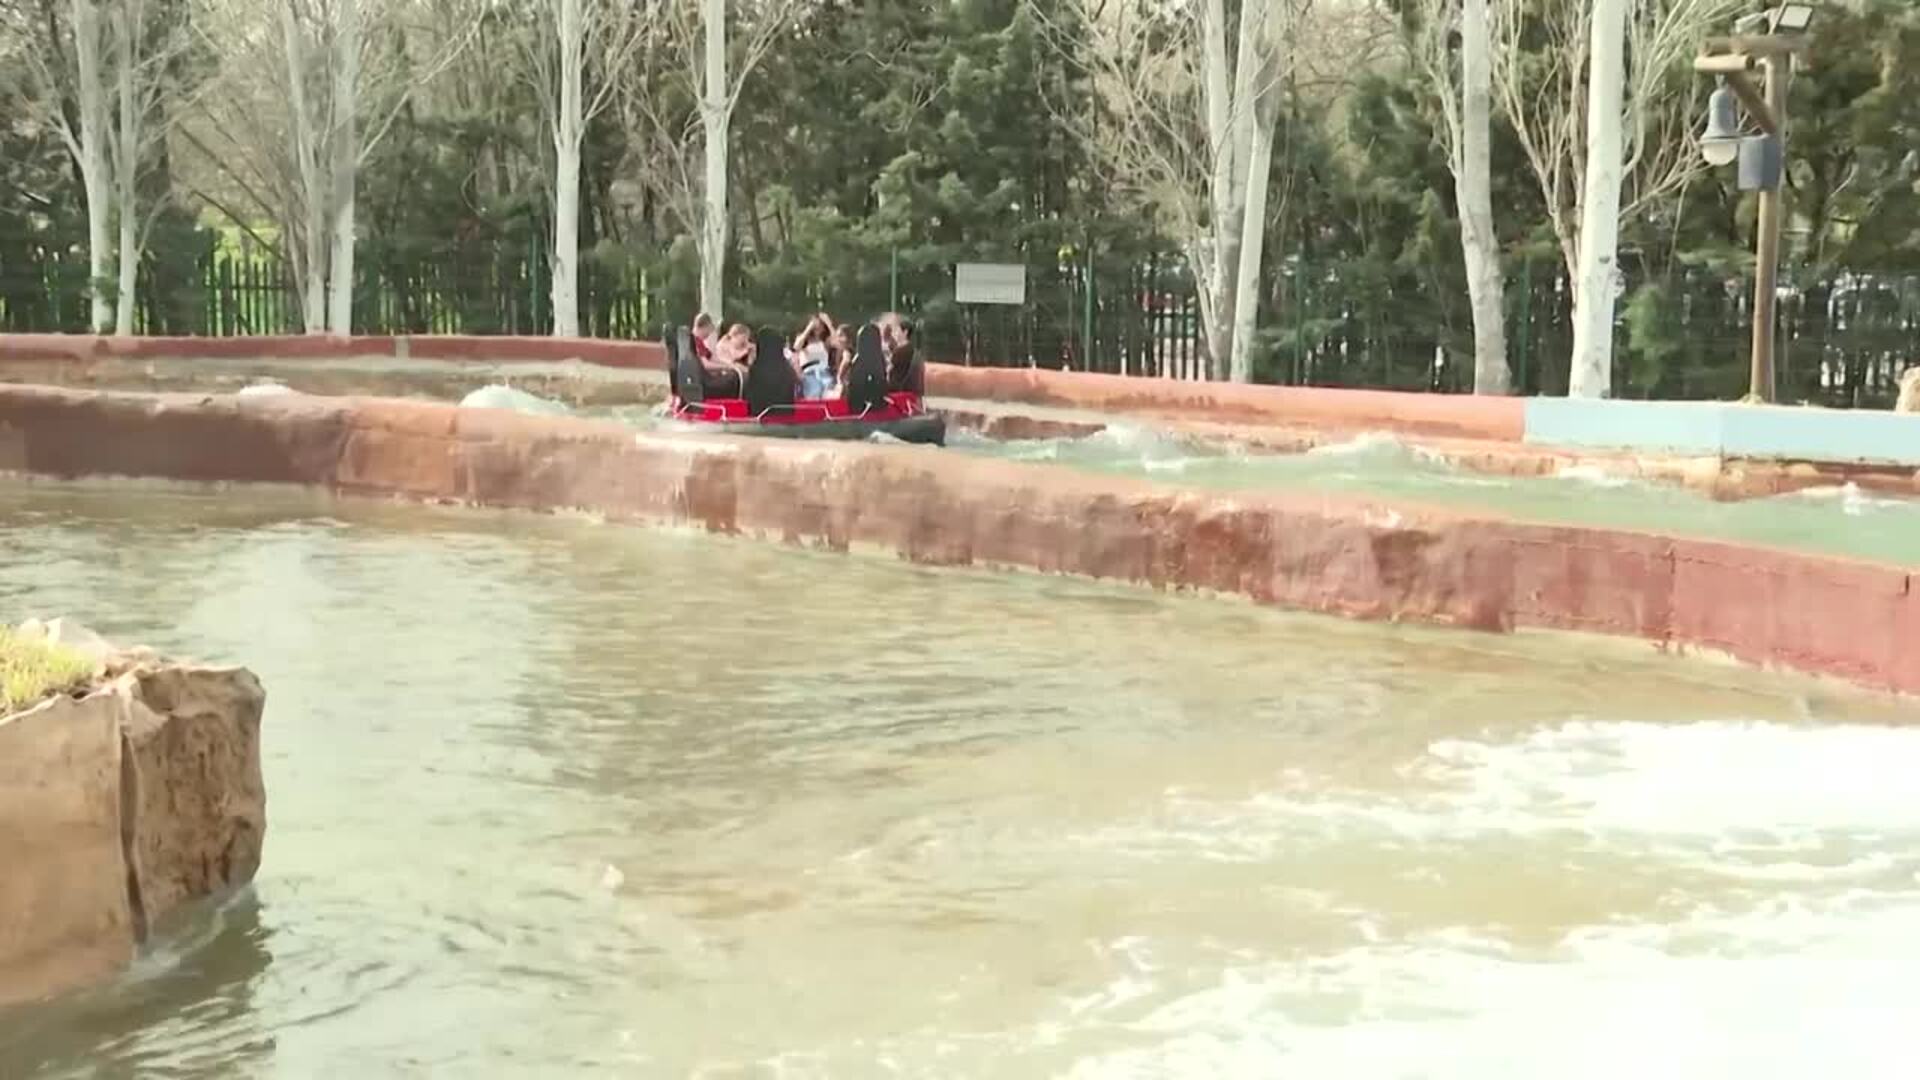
1356	558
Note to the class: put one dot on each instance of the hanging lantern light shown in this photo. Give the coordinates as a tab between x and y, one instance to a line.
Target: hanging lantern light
1720	142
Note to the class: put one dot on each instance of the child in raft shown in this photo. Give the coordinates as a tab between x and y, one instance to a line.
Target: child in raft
814	355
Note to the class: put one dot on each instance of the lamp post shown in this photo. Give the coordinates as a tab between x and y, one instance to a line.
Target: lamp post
1762	158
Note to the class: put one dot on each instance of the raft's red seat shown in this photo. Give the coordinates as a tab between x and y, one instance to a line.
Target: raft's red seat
806	410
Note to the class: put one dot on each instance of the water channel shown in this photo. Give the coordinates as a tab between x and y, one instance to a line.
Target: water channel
1834	520
1838	520
550	797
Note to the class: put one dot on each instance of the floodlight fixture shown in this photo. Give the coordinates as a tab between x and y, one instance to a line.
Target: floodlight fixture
1792	18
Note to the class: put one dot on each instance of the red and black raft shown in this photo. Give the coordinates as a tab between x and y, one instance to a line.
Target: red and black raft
874	400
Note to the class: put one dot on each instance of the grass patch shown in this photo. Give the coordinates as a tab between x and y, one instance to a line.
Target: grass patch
33	669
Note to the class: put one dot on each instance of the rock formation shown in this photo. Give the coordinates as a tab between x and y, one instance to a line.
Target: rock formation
119	806
1909	400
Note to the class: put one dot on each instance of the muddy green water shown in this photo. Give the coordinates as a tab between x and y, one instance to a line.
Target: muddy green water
555	798
1839	520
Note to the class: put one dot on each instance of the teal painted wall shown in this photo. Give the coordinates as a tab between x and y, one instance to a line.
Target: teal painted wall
1726	430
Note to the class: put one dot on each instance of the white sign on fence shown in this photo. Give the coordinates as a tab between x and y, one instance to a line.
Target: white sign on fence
990	283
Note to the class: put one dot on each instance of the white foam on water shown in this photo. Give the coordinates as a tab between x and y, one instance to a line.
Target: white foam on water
1790	992
265	389
1700	779
1382	446
1470	480
1369	442
1132	436
1851	500
1033	449
1151	449
1793	992
1592	474
1756	801
497	396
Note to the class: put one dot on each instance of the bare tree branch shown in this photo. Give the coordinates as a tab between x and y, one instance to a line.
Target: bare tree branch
1540	73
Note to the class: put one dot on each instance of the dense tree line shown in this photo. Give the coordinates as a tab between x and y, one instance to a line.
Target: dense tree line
392	164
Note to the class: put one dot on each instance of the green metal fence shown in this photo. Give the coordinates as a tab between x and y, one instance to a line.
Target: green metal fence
1843	338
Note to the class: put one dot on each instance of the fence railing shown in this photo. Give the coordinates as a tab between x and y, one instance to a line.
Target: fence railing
1843	338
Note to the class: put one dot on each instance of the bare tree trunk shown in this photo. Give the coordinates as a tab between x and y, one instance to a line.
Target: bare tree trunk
1216	314
1569	241
346	164
1260	52
716	119
90	88
568	127
1246	303
1231	130
312	265
1228	130
1213	29
1480	245
1591	374
126	169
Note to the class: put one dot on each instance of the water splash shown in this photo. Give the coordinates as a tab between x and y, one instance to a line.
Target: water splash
1593	475
499	396
1787	993
1852	501
1381	444
265	389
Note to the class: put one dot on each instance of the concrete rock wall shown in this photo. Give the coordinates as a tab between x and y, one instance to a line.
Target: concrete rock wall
118	808
1342	556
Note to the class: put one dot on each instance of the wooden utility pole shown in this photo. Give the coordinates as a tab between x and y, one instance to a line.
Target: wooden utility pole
1732	59
1766	270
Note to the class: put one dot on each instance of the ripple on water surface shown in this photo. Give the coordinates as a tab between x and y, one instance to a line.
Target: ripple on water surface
555	798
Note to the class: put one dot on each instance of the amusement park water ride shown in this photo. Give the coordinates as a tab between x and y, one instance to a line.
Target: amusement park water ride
872	401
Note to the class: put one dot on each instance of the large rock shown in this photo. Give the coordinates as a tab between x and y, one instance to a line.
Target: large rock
199	807
65	916
118	808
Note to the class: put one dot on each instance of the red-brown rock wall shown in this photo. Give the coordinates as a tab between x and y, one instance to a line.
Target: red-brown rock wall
1341	556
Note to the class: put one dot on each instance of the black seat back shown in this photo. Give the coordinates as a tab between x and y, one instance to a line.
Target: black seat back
771	383
673	358
683	367
867	377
